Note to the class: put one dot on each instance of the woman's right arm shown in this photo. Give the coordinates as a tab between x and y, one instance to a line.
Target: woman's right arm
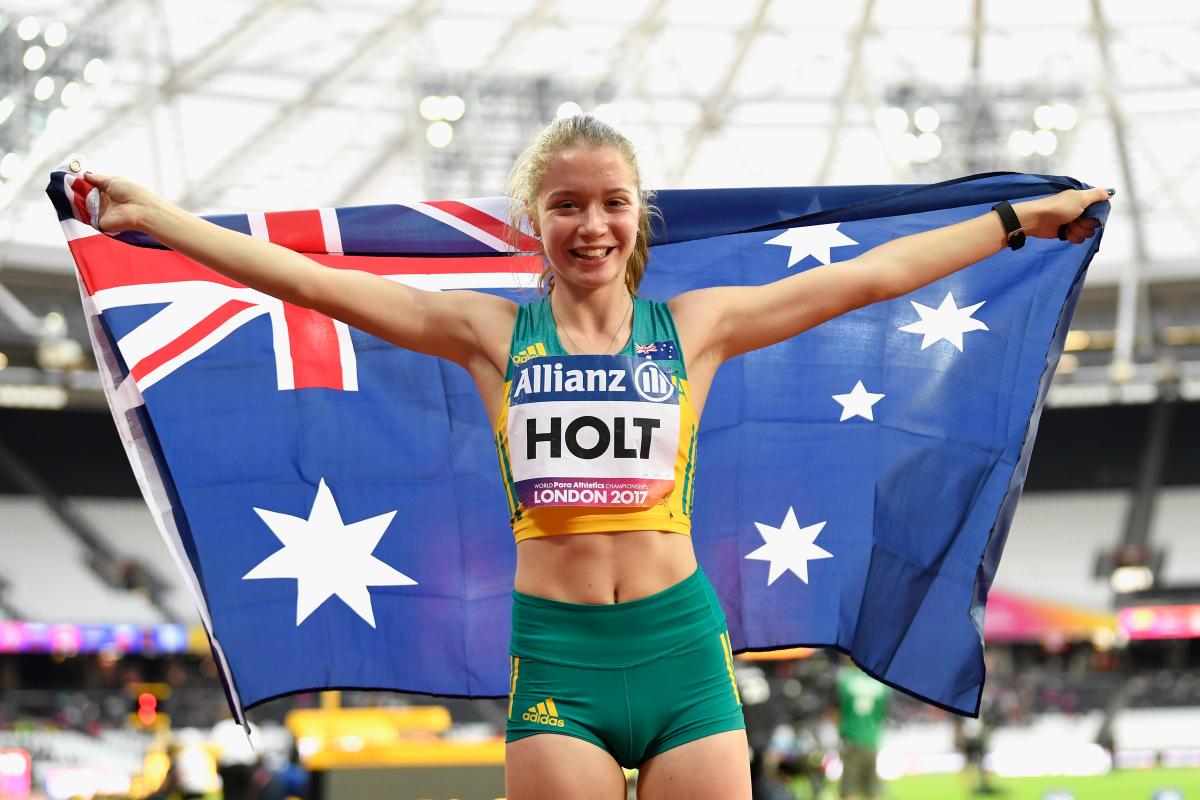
461	326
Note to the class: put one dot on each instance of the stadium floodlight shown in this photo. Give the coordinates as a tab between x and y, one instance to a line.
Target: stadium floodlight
28	28
9	165
70	94
59	354
1065	116
453	107
439	133
44	88
34	58
1020	143
1045	142
54	323
431	107
1131	578
1067	364
95	71
926	119
929	146
1044	117
568	109
56	34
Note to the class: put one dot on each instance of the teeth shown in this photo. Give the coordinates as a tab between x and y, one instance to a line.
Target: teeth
592	253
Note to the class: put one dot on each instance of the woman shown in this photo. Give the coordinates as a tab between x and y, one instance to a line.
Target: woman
620	654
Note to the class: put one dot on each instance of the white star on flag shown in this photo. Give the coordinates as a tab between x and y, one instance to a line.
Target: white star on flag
328	557
858	402
947	321
811	240
789	547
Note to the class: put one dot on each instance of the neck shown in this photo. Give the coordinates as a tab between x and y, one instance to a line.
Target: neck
590	313
592	322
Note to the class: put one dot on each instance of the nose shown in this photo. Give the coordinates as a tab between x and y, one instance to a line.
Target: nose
592	222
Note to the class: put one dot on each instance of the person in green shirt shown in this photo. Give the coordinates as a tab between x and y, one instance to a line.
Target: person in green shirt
862	706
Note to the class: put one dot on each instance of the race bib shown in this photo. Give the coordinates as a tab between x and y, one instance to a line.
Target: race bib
600	431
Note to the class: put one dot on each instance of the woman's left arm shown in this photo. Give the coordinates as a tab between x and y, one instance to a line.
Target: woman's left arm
722	322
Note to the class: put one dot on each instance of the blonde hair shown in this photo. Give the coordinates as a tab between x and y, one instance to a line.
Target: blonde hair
530	169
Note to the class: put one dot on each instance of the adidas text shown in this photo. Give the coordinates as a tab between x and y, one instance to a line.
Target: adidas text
544	719
544	713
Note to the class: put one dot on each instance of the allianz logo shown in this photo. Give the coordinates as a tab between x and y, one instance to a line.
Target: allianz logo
650	382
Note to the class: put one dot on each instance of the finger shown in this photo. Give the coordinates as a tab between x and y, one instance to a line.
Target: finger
96	179
1084	229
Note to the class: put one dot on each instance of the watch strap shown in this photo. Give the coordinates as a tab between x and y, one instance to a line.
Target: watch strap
1012	226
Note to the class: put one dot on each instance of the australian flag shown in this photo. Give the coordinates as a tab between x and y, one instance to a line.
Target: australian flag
657	351
333	502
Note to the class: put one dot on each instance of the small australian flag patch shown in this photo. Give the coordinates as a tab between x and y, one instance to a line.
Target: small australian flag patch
657	351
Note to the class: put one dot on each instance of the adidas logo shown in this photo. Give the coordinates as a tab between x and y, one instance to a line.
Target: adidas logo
544	713
533	351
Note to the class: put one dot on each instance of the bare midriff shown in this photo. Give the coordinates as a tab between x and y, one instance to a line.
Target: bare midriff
602	568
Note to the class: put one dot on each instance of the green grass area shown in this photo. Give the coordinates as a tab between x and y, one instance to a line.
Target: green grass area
1120	785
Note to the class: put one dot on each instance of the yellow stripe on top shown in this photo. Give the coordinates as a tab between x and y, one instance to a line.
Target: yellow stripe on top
512	690
728	649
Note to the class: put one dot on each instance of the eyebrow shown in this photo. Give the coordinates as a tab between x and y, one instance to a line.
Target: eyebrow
614	190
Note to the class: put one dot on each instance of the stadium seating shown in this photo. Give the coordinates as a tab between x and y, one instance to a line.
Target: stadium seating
48	579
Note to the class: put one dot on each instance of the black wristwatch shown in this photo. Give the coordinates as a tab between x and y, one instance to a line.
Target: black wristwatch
1012	225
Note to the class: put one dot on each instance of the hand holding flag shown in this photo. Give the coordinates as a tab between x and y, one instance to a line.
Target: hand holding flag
1061	215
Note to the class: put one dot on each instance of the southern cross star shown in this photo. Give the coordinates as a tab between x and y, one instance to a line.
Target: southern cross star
789	547
811	240
327	557
858	402
947	321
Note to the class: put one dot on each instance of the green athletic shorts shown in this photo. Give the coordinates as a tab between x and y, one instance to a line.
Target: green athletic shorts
634	678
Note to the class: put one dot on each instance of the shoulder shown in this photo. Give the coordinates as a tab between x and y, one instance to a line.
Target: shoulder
492	313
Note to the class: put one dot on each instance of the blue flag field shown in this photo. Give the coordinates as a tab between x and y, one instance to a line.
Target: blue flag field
334	502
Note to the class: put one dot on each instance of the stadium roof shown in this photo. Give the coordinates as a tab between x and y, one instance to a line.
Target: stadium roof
275	104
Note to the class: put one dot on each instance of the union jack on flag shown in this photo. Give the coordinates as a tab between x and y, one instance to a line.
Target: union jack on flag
333	503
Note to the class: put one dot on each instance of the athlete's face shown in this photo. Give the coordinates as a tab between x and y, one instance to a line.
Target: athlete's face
587	216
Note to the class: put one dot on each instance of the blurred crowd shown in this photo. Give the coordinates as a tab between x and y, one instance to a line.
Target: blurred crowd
815	724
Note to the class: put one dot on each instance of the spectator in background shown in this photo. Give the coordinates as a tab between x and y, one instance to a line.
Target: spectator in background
290	781
237	763
971	738
189	773
862	706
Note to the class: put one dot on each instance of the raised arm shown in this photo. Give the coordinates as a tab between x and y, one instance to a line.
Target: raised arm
721	322
461	326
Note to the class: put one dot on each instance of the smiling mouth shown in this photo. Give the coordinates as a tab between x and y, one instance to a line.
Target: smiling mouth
591	253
